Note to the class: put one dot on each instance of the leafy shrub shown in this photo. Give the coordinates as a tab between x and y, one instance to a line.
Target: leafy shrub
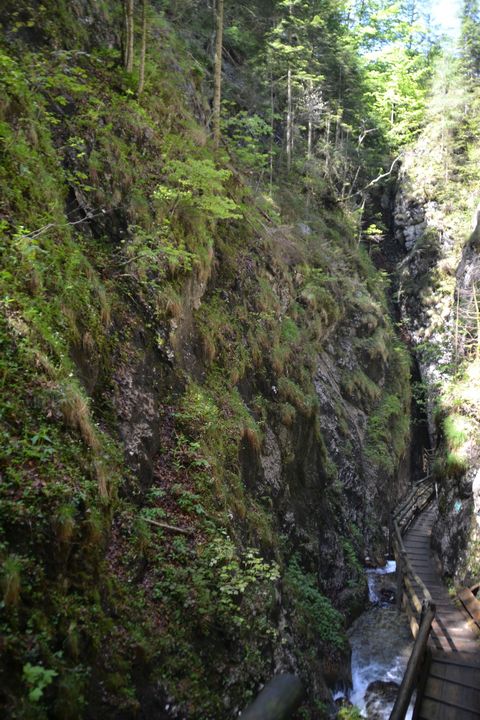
349	713
37	678
199	184
247	139
314	611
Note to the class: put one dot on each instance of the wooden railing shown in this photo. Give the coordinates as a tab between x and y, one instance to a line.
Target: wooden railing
470	603
277	701
412	594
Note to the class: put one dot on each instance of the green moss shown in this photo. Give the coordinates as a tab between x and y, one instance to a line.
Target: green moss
349	713
456	428
358	387
306	404
376	346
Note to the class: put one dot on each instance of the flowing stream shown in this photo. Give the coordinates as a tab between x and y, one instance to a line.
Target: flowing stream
381	646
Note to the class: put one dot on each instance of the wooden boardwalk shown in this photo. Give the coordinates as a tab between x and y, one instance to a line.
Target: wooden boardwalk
452	687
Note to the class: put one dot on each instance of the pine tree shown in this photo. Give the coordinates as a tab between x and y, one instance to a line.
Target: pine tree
470	38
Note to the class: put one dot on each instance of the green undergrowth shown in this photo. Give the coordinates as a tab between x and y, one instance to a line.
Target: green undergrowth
456	419
321	620
120	227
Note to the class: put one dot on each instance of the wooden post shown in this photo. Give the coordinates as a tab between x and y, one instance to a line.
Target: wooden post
399	581
390	536
414	666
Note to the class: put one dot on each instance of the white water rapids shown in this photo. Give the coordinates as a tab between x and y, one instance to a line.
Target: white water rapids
381	646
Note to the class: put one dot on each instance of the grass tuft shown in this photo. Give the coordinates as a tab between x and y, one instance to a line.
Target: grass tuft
76	414
11	581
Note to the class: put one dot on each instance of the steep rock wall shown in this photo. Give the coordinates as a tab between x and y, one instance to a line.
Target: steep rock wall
204	409
437	279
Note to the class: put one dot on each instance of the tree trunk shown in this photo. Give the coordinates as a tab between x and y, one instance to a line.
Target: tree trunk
128	58
217	94
327	143
289	119
143	50
477	317
310	120
272	129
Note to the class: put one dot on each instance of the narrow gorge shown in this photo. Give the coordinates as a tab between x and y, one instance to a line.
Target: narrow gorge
239	320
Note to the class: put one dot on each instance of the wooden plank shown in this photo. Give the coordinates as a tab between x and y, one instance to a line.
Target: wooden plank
457	659
433	710
455	632
454	645
450	693
417	533
441	642
460	674
430	576
416	530
456	621
448	616
447	600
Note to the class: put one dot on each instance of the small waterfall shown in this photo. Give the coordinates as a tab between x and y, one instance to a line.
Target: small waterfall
374	594
381	645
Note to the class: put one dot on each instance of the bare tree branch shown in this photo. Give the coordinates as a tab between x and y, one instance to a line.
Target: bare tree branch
373	182
168	527
34	234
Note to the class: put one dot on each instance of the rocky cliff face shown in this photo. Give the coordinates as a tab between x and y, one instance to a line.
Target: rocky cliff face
205	412
437	281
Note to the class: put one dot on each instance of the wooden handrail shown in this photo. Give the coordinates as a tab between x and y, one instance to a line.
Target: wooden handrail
414	667
277	701
414	503
419	606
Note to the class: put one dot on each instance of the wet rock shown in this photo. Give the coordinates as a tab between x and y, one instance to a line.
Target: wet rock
271	461
387	596
386	588
380	694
